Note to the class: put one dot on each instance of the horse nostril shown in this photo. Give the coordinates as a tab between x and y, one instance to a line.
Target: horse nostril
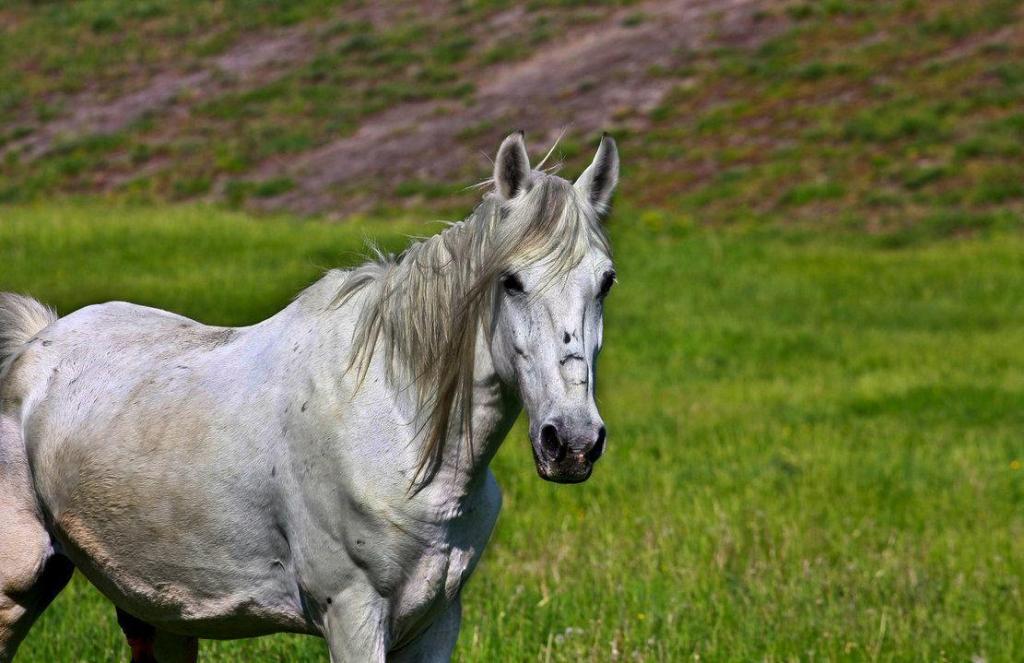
553	446
598	448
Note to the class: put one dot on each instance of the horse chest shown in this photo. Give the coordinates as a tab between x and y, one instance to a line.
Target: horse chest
434	578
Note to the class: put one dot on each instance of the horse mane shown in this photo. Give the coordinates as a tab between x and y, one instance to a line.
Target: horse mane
424	306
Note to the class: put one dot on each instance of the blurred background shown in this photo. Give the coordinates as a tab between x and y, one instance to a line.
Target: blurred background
813	366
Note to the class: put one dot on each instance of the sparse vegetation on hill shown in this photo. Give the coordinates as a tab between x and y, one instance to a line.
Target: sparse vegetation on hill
900	117
168	100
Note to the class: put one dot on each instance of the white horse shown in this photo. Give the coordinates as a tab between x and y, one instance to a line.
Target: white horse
324	471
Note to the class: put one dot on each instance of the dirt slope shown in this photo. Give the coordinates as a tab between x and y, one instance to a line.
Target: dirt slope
592	78
881	116
581	70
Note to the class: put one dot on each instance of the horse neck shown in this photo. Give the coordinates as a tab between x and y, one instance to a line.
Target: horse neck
495	408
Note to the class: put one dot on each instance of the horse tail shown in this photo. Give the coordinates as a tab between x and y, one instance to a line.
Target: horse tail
21	318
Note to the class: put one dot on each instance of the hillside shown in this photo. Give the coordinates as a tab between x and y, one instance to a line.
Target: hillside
898	117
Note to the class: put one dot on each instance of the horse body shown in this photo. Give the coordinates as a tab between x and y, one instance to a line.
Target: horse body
228	482
195	415
261	422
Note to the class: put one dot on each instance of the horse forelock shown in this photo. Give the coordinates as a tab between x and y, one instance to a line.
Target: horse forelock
425	305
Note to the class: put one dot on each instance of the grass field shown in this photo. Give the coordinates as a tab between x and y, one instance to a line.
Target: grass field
815	441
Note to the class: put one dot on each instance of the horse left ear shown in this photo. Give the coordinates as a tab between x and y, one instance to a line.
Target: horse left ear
599	179
511	166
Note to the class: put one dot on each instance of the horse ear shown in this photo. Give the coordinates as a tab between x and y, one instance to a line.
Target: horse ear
599	179
511	166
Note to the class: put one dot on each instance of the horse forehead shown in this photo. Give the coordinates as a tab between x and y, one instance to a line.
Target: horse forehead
571	293
596	260
586	273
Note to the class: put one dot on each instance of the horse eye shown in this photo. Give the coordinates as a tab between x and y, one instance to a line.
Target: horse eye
511	283
606	284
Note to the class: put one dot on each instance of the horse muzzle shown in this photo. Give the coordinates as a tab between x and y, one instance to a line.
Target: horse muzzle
566	453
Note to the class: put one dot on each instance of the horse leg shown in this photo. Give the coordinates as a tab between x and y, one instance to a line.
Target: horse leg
355	627
151	645
436	644
32	573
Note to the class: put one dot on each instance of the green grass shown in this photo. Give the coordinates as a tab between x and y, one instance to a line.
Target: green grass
814	446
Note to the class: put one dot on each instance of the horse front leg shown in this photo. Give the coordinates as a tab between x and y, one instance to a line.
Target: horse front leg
436	644
355	626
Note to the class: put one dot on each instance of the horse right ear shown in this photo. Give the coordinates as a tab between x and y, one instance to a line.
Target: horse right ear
511	166
599	179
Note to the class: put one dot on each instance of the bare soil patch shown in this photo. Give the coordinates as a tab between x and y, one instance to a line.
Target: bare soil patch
606	72
592	78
